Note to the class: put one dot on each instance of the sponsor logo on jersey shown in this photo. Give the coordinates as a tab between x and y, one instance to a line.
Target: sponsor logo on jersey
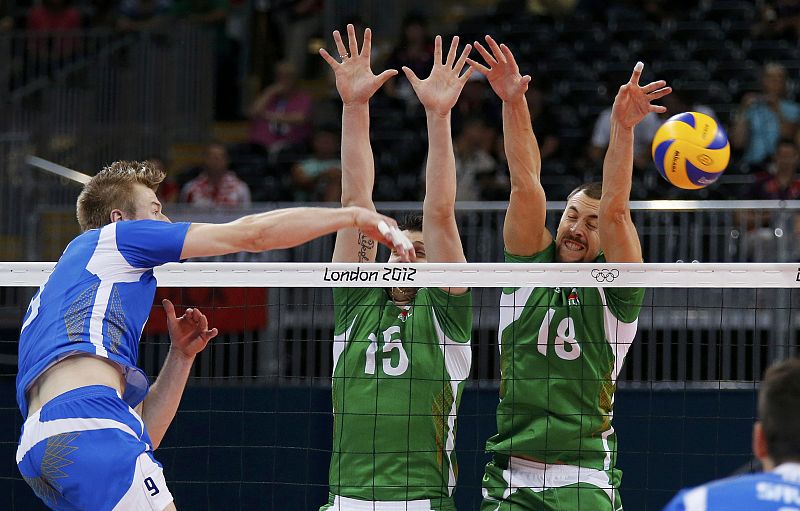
572	299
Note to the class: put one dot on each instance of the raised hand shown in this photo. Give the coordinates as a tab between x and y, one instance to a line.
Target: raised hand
439	92
502	71
632	103
355	80
188	334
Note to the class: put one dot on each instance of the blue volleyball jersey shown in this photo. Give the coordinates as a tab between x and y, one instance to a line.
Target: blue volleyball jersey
97	301
778	490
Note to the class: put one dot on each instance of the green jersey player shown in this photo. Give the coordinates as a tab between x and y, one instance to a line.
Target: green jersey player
401	355
561	349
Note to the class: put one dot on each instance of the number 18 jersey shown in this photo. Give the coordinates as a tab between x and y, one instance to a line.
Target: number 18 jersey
561	350
398	374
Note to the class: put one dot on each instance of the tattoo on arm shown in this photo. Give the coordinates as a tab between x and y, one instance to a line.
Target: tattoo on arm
365	245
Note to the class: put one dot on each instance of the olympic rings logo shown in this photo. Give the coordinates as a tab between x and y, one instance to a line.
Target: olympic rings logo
604	275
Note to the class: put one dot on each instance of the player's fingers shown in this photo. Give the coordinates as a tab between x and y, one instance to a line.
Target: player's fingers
351	39
466	75
337	38
212	333
659	93
478	67
327	56
637	73
653	86
383	77
526	80
509	56
658	109
366	48
411	76
485	54
496	51
463	58
451	54
169	309
437	50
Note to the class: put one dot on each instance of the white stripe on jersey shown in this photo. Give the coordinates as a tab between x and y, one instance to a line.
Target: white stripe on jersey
697	499
109	265
457	361
340	343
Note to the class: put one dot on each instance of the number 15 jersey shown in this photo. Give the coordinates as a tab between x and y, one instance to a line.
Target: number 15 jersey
398	374
561	350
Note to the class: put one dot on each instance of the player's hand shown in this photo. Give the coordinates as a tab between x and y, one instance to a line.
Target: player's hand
632	103
384	230
189	334
439	92
502	71
354	78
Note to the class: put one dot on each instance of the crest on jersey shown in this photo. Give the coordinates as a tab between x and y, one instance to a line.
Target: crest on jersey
404	315
572	299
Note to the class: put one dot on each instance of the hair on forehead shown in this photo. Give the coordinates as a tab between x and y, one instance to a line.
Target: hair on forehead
593	190
410	222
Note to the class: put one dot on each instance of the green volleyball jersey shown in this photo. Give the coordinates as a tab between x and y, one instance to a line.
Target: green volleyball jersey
398	374
561	350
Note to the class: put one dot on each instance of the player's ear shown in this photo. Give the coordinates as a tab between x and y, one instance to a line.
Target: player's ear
116	215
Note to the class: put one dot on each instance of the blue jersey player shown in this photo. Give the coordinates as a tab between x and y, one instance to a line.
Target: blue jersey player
92	420
776	443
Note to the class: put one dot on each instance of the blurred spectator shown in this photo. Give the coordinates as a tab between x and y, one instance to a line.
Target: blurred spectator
281	115
476	168
643	137
143	14
414	50
318	178
763	119
779	19
545	123
781	181
679	102
53	16
299	21
6	16
216	185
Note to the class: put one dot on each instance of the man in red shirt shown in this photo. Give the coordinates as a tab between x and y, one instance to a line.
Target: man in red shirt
216	185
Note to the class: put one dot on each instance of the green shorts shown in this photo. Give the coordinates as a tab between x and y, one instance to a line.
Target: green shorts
514	484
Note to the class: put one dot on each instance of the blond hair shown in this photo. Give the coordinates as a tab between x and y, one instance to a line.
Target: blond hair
112	188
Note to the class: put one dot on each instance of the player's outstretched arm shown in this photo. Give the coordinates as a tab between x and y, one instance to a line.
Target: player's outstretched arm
188	335
618	235
356	84
438	94
524	231
284	228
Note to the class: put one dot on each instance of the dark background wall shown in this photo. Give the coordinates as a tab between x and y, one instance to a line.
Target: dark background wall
267	448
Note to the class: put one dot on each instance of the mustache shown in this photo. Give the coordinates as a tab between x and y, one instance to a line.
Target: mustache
567	237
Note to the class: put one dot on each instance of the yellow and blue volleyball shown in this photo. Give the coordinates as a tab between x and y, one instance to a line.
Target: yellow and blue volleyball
691	150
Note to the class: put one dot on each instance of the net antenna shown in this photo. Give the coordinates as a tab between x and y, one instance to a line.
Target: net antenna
59	170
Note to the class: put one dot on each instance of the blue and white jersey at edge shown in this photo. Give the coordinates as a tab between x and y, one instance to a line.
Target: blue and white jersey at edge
778	490
97	301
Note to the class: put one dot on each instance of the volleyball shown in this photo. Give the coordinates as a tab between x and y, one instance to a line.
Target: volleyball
691	150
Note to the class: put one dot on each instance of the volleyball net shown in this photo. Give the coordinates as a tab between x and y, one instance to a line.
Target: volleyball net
256	430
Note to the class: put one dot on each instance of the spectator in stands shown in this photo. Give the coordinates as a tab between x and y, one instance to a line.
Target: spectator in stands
6	16
764	118
143	14
281	114
476	168
298	21
319	177
415	51
781	181
169	190
52	16
477	99
216	185
545	123
779	19
775	442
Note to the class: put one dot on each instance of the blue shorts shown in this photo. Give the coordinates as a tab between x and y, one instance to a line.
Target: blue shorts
87	449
